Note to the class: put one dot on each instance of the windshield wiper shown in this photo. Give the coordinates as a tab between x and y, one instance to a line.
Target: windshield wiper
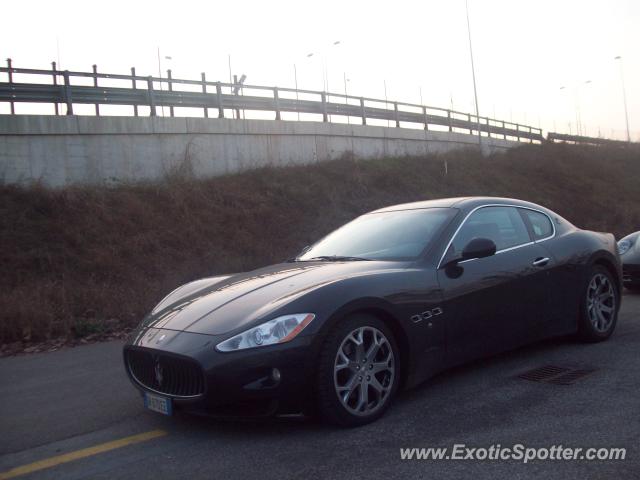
336	258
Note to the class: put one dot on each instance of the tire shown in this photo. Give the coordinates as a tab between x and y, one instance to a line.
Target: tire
599	306
366	385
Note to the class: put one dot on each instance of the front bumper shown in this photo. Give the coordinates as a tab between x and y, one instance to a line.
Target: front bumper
234	383
631	274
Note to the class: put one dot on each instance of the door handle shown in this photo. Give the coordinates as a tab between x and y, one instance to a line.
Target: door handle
540	262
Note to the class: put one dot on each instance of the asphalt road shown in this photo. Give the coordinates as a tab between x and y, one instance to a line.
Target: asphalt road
73	414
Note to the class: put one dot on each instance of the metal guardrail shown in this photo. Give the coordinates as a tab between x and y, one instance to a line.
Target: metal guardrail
222	96
579	139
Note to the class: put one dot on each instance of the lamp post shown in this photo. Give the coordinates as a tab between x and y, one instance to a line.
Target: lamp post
346	95
295	78
624	97
577	113
576	98
585	130
325	68
326	63
386	104
323	64
166	57
233	112
473	74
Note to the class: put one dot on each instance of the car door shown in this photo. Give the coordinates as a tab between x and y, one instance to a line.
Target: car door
557	310
492	302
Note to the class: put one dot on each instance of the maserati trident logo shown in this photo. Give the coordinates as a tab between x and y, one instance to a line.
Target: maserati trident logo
158	371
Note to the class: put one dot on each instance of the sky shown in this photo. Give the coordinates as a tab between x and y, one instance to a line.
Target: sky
525	51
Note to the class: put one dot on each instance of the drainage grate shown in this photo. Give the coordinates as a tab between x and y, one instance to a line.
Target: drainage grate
556	375
571	376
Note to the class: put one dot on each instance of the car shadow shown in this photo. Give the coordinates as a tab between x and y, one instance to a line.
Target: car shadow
402	411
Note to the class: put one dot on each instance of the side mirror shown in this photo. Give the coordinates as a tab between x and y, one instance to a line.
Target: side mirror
479	248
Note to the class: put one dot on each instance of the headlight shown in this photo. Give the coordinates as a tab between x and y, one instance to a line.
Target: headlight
624	246
278	330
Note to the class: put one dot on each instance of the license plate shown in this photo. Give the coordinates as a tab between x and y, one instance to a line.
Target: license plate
158	404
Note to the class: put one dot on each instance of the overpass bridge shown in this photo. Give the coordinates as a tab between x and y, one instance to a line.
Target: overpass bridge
211	128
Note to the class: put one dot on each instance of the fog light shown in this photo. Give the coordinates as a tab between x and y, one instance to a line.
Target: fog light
275	375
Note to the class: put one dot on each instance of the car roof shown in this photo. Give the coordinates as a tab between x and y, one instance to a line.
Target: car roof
462	203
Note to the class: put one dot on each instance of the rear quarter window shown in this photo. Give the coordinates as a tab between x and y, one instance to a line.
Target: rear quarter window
540	224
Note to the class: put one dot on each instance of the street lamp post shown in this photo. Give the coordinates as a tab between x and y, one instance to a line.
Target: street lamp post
160	76
584	128
168	58
295	78
624	97
323	63
386	104
577	113
326	65
473	74
325	68
576	94
346	96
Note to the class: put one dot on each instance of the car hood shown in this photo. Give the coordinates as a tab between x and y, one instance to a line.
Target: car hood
218	305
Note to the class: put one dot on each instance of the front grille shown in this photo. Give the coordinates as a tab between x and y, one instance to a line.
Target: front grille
180	377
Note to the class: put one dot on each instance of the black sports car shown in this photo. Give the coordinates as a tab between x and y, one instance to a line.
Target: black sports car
382	303
629	249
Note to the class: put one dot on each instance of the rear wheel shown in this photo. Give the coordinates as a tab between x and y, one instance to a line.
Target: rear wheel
600	304
358	373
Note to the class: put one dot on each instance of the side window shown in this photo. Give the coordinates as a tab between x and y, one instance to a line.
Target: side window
540	224
503	225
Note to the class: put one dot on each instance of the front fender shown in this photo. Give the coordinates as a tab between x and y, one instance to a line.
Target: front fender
394	297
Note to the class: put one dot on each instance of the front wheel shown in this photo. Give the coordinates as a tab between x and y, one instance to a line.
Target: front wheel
358	372
600	304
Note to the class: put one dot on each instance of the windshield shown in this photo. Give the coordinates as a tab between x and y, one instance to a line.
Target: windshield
397	235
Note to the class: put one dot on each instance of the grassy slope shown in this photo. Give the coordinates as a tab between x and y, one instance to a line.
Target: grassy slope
81	260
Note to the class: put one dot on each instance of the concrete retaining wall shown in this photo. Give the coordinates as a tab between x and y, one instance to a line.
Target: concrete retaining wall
63	150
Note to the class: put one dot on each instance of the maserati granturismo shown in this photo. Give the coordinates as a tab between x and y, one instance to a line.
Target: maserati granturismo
380	304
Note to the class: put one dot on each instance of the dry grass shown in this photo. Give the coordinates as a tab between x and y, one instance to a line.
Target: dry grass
82	260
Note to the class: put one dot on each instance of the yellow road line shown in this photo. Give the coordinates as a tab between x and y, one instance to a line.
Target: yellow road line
78	454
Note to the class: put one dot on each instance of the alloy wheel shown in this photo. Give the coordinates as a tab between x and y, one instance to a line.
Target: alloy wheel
364	371
601	302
